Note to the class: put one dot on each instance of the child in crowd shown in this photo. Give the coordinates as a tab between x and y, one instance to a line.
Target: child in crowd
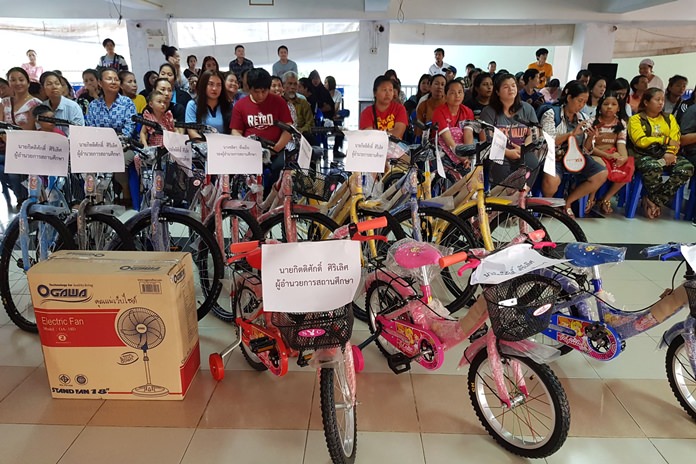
157	111
610	147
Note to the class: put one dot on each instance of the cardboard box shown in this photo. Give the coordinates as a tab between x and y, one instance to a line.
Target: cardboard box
117	325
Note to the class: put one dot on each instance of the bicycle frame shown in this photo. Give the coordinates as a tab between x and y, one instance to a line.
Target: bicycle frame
94	189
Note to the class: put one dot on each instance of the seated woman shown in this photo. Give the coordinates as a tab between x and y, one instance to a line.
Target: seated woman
502	112
688	139
621	87
654	142
639	84
90	91
423	88
598	85
424	112
211	106
448	116
480	94
385	113
610	148
566	122
676	86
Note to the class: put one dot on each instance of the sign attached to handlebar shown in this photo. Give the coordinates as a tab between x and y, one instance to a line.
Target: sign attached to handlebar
95	149
689	254
305	157
366	151
511	262
309	277
231	154
36	153
178	149
497	154
550	160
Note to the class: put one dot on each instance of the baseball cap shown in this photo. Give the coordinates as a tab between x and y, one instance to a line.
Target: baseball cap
648	62
452	68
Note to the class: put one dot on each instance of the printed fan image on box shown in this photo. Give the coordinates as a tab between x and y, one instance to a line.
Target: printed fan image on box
143	329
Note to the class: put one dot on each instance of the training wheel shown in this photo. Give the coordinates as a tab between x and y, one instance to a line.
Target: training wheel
217	367
358	360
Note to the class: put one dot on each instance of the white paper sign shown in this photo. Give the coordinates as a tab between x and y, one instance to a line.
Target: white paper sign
310	276
36	153
366	151
438	158
498	145
231	154
178	149
305	157
689	253
511	262
95	149
550	160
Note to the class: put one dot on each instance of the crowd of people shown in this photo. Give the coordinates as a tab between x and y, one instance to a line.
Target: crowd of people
241	101
604	129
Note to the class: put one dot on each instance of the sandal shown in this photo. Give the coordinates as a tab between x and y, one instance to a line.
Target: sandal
569	212
589	205
605	207
650	209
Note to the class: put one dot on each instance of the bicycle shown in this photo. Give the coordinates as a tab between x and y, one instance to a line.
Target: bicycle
162	227
516	396
320	340
584	321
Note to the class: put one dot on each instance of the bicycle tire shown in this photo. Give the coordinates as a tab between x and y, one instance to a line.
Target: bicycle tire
252	231
383	297
680	375
318	228
248	355
15	290
333	382
495	418
98	240
206	255
457	235
504	222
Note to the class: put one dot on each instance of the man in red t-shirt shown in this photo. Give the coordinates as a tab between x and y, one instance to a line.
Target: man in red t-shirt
255	114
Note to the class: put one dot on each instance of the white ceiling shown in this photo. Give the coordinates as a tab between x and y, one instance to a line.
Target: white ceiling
450	11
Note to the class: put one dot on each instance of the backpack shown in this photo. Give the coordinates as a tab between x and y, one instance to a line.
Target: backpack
557	113
655	150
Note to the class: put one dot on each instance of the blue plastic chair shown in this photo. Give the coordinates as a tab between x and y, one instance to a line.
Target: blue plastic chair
636	193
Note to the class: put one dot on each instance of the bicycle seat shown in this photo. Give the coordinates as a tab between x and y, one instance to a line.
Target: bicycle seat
589	254
412	255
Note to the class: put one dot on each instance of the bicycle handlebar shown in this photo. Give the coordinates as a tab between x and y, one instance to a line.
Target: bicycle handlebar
194	126
146	122
56	121
371	224
7	125
447	261
657	250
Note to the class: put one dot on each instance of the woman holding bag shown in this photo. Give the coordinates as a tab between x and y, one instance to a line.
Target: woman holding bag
574	136
610	148
654	142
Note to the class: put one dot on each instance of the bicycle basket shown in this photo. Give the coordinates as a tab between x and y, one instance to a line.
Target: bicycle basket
690	286
175	182
315	185
512	304
311	331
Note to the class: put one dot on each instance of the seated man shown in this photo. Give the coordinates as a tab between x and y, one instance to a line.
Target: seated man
255	114
305	118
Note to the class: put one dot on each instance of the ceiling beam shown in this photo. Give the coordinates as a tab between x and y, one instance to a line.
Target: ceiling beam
627	6
373	6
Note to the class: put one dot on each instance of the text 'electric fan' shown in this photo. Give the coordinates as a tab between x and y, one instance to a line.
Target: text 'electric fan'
143	329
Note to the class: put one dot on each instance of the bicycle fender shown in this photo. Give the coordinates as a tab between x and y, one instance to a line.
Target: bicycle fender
147	213
48	210
110	210
305	209
386	276
238	204
672	333
489	201
471	351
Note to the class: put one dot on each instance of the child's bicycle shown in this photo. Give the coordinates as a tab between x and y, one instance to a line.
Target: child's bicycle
600	330
320	340
517	398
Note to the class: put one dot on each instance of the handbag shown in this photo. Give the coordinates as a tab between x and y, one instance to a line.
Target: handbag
620	174
573	160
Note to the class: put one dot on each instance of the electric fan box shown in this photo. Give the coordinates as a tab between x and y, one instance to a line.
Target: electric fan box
117	325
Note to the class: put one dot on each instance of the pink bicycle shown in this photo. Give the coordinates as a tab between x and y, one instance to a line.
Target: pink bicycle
516	396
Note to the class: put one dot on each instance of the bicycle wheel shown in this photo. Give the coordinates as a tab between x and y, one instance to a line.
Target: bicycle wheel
537	424
506	222
188	235
246	304
311	227
443	228
561	228
383	298
14	286
681	376
102	229
237	226
339	411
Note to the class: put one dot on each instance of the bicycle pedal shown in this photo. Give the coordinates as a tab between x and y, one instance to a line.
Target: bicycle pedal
399	363
261	344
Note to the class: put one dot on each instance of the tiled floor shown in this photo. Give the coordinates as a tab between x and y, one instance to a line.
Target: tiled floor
622	411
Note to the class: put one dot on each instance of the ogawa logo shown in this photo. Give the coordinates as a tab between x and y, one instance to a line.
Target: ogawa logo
62	293
139	268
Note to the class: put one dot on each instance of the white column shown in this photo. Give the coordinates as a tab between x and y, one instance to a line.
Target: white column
145	39
592	43
373	55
